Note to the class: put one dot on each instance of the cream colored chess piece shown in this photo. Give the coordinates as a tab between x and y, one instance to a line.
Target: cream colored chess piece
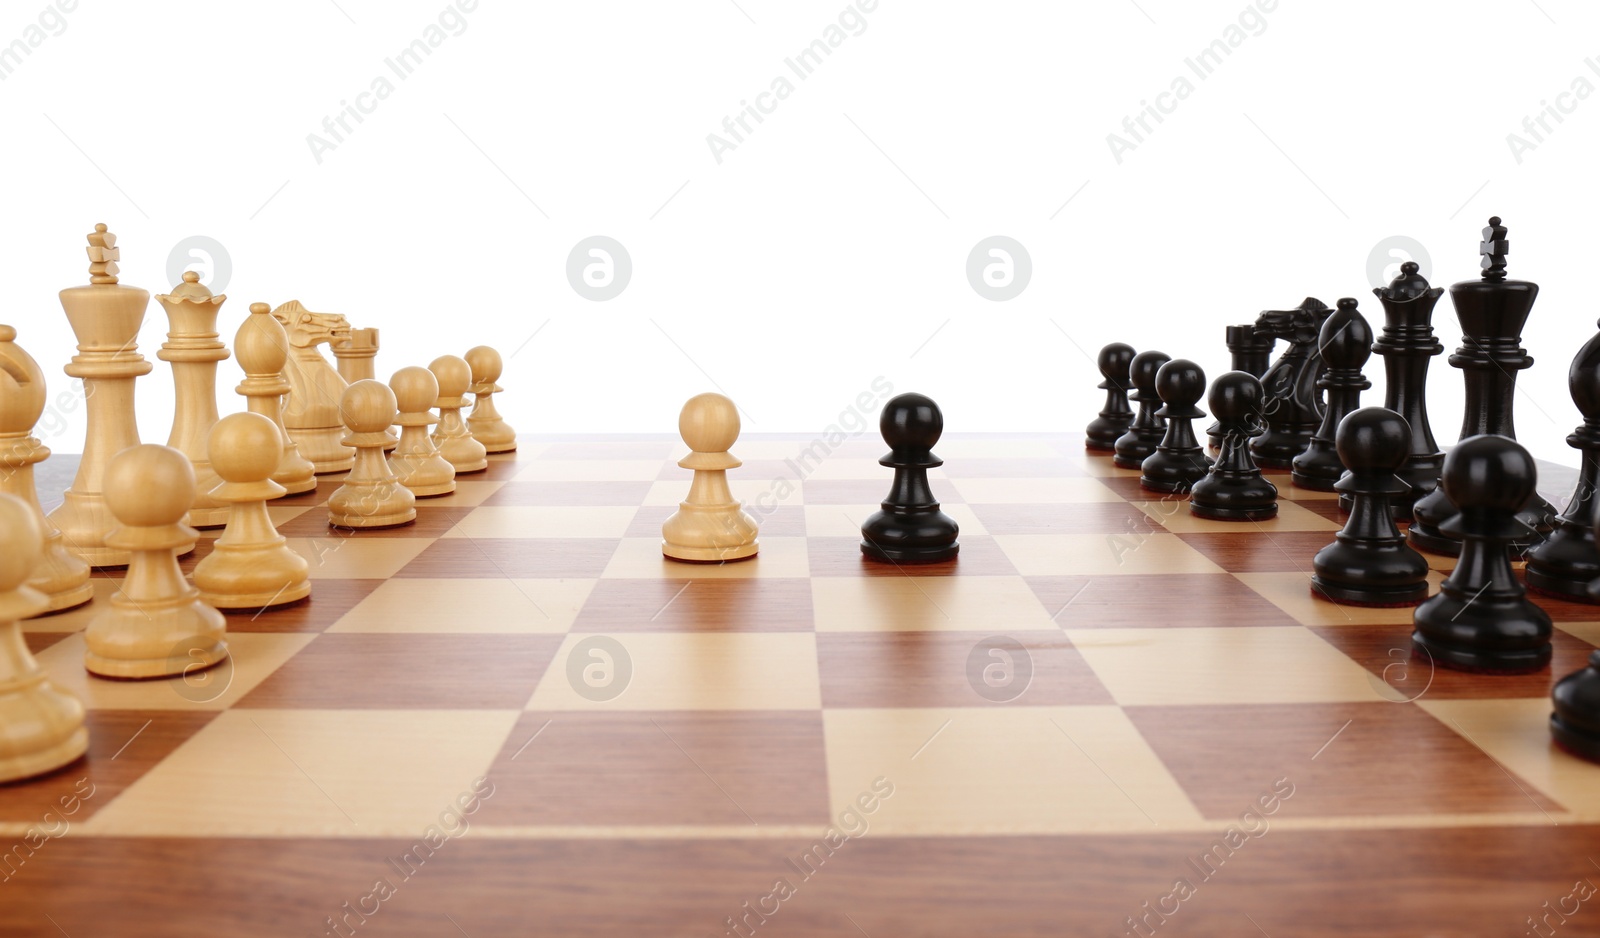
416	462
356	363
455	442
709	526
193	348
311	411
371	496
60	575
263	348
252	566
156	625
105	315
485	423
41	728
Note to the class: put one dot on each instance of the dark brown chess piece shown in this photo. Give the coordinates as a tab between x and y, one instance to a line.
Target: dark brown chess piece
1293	407
1345	343
1115	417
1568	562
1235	490
1147	429
1407	343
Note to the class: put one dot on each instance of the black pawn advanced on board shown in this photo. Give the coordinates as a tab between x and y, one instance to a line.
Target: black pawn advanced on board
1250	352
1407	343
1147	429
1481	619
1369	562
1492	311
910	528
1346	343
1235	490
1575	724
1294	402
1178	462
1115	417
1568	562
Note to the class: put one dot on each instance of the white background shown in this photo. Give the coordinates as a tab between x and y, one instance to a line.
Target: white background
829	247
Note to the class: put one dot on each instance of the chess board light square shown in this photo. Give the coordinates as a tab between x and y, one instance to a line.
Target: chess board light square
468	494
640	558
1003	770
325	773
525	521
1102	554
926	604
1516	733
846	520
1291	592
590	470
1216	665
1030	491
252	658
688	671
458	606
1175	516
352	557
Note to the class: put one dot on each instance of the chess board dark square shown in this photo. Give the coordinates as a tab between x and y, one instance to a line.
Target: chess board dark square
382	671
1163	600
669	767
501	558
1343	759
841	556
1257	551
944	669
732	604
1066	518
329	600
1386	651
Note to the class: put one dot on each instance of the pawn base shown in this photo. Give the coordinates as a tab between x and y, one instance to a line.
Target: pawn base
63	753
1214	513
1457	658
710	554
324	448
1577	742
272	600
361	522
1574	591
1374	597
909	555
1423	537
1316	482
73	598
296	487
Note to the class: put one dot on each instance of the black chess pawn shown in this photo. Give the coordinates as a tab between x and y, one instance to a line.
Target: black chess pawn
1575	724
1178	462
1492	311
1481	619
1147	429
910	528
1115	417
1568	562
1346	343
1407	343
1235	490
1369	562
1250	352
1294	402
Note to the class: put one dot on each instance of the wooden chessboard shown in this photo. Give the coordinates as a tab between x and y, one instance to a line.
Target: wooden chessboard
1101	697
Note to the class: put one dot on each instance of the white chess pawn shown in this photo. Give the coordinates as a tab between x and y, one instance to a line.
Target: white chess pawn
251	566
416	461
709	526
485	422
41	727
263	349
156	625
371	496
454	440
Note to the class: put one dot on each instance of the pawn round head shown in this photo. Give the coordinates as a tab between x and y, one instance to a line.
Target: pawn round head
1373	438
149	486
262	344
1346	337
453	373
415	389
1142	370
245	447
21	540
911	421
1489	472
485	363
1180	382
368	406
1114	361
709	423
22	386
1236	397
